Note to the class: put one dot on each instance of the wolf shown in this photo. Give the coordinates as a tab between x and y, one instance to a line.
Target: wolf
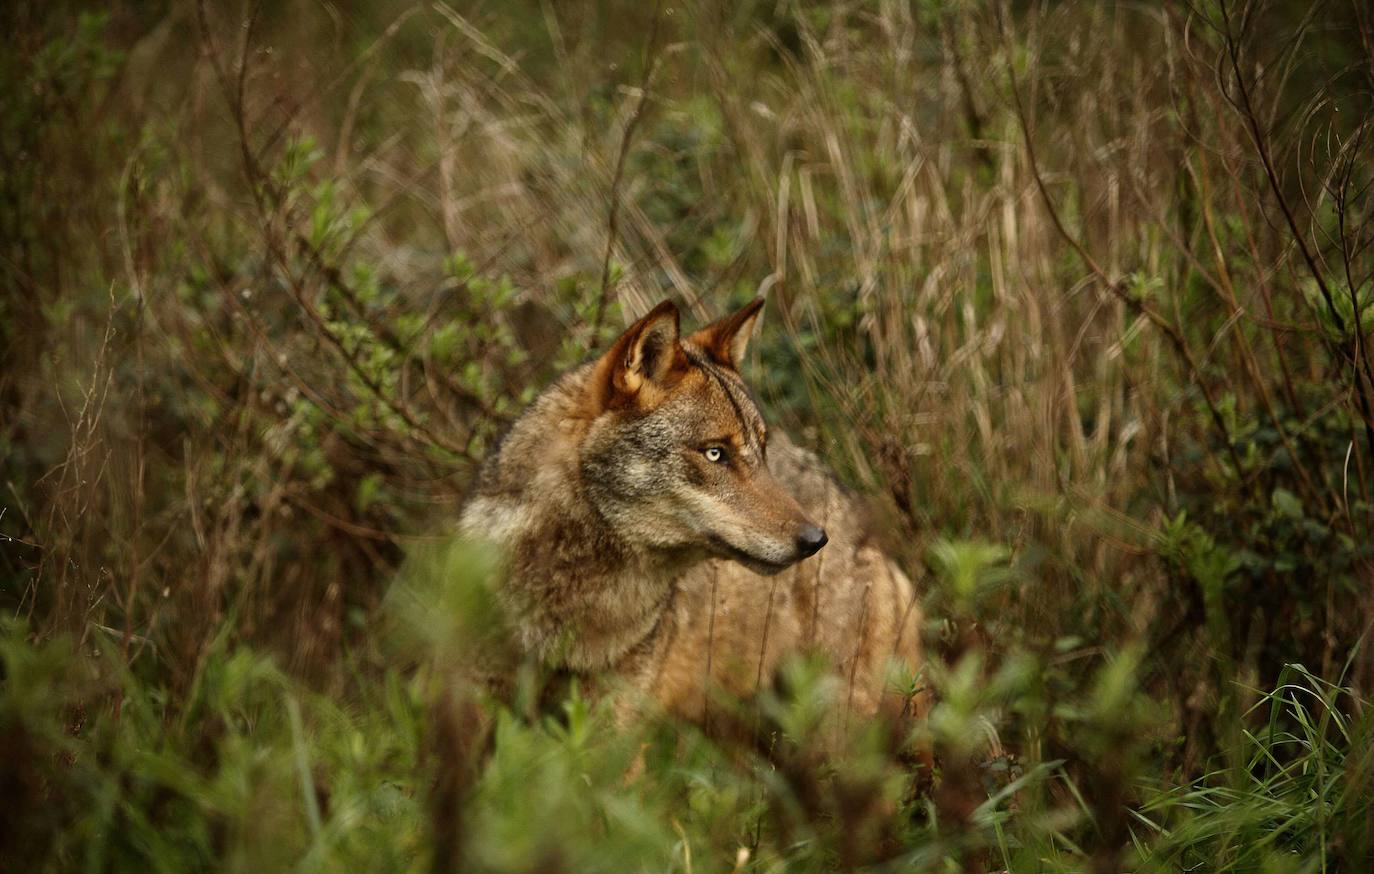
654	530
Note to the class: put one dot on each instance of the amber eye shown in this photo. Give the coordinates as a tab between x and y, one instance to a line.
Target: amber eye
714	454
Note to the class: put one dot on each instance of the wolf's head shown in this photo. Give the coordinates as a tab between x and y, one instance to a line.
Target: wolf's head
676	457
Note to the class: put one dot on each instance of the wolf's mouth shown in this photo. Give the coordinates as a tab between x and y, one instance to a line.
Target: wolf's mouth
764	566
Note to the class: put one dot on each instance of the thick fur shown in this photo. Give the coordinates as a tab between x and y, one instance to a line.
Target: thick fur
653	531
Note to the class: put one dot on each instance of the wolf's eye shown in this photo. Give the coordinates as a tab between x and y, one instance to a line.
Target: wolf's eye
714	454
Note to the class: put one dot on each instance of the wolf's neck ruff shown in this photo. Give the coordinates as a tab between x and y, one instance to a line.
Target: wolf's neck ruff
579	594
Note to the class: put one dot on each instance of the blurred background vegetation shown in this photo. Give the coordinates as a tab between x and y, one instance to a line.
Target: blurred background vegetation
1079	291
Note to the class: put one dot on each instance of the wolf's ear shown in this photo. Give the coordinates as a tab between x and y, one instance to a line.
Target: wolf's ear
645	356
726	339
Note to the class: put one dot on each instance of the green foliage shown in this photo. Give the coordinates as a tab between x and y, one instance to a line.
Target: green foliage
1298	799
969	571
250	770
1347	314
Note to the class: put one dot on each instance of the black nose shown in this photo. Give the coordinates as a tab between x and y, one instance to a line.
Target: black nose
810	539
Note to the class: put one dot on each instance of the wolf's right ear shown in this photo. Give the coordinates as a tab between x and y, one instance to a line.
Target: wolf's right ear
643	359
726	339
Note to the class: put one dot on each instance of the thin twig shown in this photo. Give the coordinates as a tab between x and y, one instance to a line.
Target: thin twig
649	64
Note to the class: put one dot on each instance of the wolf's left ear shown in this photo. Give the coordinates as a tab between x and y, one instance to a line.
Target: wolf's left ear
725	340
645	356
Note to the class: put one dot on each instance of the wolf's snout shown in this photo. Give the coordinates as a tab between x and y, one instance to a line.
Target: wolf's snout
810	539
